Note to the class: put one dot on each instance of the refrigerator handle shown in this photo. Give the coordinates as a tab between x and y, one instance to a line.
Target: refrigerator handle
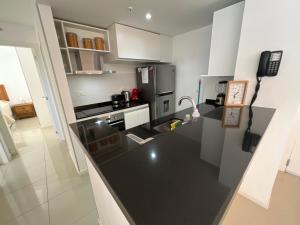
165	93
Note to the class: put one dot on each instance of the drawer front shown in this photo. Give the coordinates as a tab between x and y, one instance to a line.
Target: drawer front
23	109
25	115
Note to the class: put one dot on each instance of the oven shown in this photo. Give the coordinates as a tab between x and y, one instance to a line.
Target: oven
116	120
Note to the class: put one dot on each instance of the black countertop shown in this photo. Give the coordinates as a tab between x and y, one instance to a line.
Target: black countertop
183	177
85	111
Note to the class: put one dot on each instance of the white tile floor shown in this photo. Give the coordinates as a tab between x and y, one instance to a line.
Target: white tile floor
40	185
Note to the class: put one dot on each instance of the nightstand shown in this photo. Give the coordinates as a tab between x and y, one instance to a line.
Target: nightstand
23	110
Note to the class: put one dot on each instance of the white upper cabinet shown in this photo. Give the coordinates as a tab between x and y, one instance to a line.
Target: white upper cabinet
165	49
128	43
225	38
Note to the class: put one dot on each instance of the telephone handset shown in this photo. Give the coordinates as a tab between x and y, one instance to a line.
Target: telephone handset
269	63
268	67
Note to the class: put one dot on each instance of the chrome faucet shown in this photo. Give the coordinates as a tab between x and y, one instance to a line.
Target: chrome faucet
196	111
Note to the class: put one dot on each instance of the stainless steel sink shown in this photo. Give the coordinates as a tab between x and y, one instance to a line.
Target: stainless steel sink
166	126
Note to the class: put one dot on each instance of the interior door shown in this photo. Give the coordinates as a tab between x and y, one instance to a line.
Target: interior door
34	84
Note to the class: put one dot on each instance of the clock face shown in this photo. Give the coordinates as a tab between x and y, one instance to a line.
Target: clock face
236	92
232	117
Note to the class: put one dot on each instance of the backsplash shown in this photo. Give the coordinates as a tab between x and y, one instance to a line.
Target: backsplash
89	89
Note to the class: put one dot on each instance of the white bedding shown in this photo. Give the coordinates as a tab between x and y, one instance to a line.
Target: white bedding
7	113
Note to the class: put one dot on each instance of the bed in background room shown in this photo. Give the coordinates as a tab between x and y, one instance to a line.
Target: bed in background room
5	107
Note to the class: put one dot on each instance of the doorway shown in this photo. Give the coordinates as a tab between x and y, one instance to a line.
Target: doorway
41	177
23	102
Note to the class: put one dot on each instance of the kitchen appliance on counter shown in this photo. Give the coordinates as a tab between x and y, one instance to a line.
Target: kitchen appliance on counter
156	84
221	89
126	96
221	96
134	94
118	101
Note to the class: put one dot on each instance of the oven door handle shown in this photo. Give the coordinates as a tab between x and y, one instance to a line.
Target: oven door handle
115	123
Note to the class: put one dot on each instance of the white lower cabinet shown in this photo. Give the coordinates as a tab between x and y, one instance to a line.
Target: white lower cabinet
78	154
136	117
108	209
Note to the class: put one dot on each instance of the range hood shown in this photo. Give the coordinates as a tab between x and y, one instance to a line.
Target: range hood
94	72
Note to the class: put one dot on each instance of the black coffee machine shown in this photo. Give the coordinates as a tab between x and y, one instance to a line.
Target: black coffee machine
118	101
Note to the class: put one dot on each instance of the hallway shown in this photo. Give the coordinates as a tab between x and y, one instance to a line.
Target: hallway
40	186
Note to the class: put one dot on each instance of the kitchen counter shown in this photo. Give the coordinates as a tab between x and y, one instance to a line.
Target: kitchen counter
86	111
182	177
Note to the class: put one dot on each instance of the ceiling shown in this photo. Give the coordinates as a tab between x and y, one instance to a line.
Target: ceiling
169	17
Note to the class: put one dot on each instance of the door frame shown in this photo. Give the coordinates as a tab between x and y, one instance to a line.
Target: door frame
49	92
291	145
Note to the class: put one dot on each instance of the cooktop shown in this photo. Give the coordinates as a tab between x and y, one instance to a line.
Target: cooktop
85	111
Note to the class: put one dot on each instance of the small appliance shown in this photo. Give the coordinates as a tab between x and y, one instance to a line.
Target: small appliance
118	101
126	96
134	94
220	100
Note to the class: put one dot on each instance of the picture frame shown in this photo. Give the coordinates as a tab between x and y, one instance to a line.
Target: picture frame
236	93
232	117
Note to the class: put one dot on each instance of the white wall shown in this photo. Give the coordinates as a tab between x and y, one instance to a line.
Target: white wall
17	34
225	38
89	89
34	84
191	56
11	75
270	25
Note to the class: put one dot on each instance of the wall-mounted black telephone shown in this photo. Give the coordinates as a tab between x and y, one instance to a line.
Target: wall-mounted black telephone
269	63
268	67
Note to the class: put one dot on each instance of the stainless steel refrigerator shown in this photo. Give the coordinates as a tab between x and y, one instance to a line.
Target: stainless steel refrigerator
156	84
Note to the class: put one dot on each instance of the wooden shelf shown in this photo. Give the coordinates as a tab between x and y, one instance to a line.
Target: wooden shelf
87	49
75	58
